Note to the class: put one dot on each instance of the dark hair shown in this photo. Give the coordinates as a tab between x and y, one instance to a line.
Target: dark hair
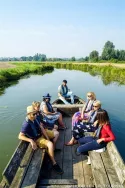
102	116
65	81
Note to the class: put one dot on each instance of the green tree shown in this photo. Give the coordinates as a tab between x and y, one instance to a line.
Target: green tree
73	58
108	51
94	56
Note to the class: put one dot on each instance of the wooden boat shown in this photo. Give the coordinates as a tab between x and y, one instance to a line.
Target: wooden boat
30	169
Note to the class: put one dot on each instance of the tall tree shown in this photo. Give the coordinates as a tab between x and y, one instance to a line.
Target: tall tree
108	51
73	58
94	56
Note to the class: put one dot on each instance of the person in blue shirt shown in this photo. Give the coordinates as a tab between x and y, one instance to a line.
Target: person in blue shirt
32	131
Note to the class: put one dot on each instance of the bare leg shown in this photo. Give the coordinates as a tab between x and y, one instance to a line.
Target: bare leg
56	136
55	127
51	151
61	121
71	142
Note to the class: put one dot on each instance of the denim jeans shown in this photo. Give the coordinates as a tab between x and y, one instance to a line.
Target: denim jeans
89	143
69	94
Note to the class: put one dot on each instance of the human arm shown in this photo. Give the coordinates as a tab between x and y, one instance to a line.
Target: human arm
44	132
45	110
23	137
110	137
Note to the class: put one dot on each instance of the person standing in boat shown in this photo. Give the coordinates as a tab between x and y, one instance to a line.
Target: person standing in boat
85	113
102	136
63	93
87	125
48	112
32	131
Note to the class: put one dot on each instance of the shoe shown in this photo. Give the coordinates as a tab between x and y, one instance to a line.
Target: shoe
88	162
62	128
57	168
76	152
57	150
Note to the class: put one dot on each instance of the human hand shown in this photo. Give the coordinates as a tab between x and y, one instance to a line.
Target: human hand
33	144
99	140
95	123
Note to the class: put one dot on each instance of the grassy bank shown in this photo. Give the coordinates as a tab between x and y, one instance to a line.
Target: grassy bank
108	73
8	75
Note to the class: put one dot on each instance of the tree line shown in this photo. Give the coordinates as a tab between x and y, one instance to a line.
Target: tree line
109	53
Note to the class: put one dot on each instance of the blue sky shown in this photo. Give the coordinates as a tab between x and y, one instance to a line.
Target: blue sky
60	28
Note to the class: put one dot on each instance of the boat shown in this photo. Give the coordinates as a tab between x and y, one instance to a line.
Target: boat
30	169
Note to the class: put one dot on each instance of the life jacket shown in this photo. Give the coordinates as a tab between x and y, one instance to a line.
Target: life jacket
49	106
36	130
97	132
63	90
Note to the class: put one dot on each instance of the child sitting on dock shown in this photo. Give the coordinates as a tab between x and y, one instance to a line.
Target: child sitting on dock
102	135
32	131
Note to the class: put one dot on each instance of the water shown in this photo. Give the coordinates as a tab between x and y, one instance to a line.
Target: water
17	97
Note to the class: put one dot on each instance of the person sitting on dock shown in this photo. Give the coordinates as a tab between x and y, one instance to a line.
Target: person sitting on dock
48	112
102	136
32	131
47	124
88	125
63	93
79	116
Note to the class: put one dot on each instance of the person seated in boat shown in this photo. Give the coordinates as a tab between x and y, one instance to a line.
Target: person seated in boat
50	124
84	114
32	131
102	136
48	112
63	93
88	126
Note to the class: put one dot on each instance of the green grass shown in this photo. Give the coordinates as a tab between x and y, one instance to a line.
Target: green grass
8	75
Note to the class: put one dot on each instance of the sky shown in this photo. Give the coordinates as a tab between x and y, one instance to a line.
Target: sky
60	28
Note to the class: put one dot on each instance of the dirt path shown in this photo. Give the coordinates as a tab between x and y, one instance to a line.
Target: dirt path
5	65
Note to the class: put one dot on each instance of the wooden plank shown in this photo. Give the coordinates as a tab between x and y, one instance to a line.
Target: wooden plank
58	186
69	106
58	182
59	155
14	162
32	174
87	172
98	170
113	178
117	161
67	155
22	168
78	168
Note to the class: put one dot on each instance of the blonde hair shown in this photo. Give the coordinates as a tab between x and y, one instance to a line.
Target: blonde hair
36	104
93	94
97	102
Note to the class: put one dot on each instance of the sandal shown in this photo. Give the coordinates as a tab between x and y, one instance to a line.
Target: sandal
68	143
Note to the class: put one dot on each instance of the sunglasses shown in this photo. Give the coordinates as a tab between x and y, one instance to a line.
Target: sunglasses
89	95
95	106
34	114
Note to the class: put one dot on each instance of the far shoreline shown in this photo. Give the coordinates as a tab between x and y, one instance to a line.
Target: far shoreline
6	65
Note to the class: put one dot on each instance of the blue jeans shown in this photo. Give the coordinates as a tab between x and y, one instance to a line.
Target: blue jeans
89	143
69	94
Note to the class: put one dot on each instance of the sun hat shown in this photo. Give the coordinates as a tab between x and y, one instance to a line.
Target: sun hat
47	96
30	109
